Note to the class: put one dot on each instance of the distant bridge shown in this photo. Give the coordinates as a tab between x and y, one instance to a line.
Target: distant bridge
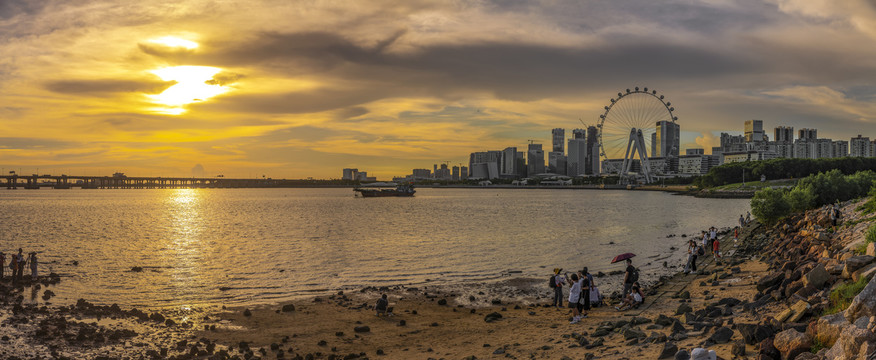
35	181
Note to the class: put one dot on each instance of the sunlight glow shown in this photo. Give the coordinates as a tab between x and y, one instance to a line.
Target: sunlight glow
191	86
171	41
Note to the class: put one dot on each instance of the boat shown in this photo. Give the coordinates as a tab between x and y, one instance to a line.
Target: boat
401	190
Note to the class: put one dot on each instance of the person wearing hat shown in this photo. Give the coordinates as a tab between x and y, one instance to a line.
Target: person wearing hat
558	281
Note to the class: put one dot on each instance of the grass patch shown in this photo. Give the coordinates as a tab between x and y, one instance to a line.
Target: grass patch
842	296
817	345
860	250
756	185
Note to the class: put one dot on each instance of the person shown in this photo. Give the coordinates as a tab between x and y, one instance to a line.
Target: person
713	236
22	261
2	263
558	280
584	301
741	221
747	217
633	299
835	214
629	277
381	305
13	265
735	234
705	241
33	266
716	249
691	257
574	297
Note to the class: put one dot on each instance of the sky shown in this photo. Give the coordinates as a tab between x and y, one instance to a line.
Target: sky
297	89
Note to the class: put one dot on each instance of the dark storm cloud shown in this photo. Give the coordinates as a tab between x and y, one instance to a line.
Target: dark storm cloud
92	87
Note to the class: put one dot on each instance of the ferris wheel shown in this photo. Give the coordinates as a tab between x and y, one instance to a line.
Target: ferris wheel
627	125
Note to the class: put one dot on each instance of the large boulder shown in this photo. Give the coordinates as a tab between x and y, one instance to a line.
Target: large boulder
792	343
669	350
816	277
854	344
856	262
871	249
864	304
754	333
866	272
722	335
767	350
769	281
828	328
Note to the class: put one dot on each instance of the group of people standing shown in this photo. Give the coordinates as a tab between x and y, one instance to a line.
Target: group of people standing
582	292
17	264
709	243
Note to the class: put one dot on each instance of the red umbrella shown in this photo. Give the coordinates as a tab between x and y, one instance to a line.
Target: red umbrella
622	257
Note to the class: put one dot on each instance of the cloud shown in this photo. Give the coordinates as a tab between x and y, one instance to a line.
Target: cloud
98	87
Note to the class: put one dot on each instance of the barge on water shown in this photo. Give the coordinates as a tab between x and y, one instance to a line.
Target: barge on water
405	190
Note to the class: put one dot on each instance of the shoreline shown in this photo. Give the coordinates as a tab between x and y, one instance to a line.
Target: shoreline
509	318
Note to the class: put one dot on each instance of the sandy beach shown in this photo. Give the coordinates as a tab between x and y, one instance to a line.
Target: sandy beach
508	319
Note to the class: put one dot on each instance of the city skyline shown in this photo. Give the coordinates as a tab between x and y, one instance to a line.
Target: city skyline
297	90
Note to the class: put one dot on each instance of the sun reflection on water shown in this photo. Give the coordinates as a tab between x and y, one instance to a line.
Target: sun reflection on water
186	248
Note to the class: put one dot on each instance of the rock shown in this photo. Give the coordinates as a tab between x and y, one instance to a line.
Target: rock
767	350
669	350
864	304
738	348
854	343
769	281
156	317
683	308
871	249
664	320
631	333
442	302
362	329
684	294
792	343
247	313
729	301
829	328
816	277
682	355
800	308
678	328
689	318
722	335
866	272
288	308
493	316
753	334
137	269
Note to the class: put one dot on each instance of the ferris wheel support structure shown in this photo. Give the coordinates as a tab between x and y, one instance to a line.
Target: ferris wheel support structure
637	144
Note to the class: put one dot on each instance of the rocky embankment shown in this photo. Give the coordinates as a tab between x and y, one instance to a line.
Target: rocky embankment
806	262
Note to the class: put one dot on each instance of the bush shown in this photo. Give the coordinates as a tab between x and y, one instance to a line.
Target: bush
842	296
769	205
871	234
869	207
800	199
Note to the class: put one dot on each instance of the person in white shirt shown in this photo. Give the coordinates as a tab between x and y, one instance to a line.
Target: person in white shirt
574	296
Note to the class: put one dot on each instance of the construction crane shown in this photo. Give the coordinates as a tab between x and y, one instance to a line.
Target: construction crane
582	123
531	141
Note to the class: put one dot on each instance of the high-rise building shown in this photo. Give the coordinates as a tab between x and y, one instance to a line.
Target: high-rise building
559	137
579	134
859	146
754	130
840	148
509	162
463	173
556	162
694	151
784	134
485	164
535	160
422	174
808	134
350	174
455	173
668	139
577	159
591	166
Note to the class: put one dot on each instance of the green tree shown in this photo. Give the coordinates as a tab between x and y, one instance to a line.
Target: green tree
800	198
769	205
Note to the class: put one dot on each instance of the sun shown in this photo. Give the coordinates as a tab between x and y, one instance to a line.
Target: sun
171	41
191	86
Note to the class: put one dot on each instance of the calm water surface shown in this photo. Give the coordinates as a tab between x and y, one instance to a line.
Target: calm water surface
246	246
